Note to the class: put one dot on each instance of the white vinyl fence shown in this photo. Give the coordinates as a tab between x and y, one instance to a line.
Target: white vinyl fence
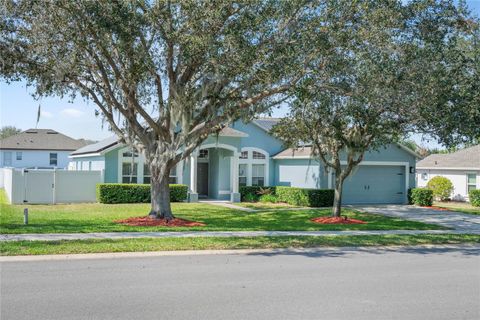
50	186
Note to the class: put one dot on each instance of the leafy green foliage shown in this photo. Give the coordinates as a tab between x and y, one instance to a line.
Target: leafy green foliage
422	197
305	197
253	193
268	198
474	197
135	193
7	131
442	187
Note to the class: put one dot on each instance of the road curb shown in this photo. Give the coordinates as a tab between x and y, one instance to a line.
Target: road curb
148	254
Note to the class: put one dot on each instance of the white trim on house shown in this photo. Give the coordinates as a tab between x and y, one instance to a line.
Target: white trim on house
447	168
250	162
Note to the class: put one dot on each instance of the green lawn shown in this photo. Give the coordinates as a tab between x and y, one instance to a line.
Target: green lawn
165	244
463	207
73	218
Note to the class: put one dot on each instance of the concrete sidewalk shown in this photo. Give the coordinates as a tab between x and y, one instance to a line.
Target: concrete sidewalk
186	234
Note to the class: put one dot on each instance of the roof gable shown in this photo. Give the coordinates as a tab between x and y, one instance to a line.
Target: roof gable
41	139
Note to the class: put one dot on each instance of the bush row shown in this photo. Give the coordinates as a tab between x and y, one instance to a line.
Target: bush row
474	197
421	196
291	195
135	193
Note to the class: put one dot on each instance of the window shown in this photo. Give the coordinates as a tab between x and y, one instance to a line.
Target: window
425	176
203	154
128	154
129	175
19	156
242	175
53	159
471	182
146	174
7	158
244	155
258	175
258	155
173	175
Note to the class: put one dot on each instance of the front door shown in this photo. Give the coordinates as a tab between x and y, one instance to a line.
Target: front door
202	179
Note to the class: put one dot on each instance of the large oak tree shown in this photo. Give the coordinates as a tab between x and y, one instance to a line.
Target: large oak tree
397	68
164	74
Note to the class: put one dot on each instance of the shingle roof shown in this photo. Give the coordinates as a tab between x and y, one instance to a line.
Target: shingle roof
294	153
113	140
41	139
468	158
97	147
266	123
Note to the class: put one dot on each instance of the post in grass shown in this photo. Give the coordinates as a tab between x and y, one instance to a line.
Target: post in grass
25	216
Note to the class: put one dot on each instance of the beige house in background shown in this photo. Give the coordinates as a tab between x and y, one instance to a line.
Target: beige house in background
461	167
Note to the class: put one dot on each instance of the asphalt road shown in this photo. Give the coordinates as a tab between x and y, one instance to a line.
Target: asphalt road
405	283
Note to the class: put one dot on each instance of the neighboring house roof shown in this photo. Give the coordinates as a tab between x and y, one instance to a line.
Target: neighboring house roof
266	123
468	158
41	139
97	147
106	144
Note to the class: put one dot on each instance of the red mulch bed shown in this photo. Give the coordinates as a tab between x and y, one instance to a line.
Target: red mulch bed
152	222
337	220
436	208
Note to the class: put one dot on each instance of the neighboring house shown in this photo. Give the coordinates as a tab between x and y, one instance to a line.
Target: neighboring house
38	148
461	167
247	154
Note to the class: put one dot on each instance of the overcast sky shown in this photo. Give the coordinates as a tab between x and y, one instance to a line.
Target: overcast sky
77	118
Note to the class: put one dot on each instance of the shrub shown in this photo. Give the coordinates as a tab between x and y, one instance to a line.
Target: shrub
409	196
253	193
422	197
442	187
249	197
268	198
474	197
135	193
305	197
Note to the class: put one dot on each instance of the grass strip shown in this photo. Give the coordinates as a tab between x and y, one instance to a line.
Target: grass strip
11	248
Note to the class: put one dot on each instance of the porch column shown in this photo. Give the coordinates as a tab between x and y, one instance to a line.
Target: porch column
235	195
193	195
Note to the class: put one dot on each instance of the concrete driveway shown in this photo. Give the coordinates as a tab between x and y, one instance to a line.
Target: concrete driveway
468	223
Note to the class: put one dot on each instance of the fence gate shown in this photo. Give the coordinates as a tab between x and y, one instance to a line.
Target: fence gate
39	186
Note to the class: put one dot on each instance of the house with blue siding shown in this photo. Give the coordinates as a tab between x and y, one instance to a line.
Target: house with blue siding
247	154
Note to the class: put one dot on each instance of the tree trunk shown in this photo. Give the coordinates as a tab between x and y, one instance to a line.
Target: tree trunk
337	199
160	194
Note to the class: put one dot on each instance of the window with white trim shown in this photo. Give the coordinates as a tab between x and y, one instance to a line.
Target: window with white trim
242	175
258	155
173	175
258	175
244	155
425	176
471	182
19	155
7	158
147	176
203	154
129	175
53	159
129	154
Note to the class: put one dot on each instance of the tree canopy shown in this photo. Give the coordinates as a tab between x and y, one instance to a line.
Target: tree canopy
396	68
164	74
7	131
